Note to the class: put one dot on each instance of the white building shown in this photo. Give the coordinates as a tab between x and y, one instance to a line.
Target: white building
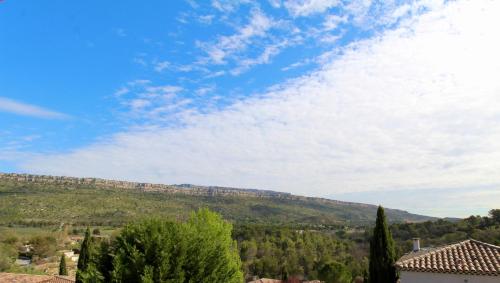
468	261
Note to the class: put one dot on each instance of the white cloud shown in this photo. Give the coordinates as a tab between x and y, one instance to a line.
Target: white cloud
370	14
193	4
140	61
139	82
226	46
161	90
145	101
275	3
206	90
330	38
121	91
359	9
139	104
20	108
120	32
307	7
263	58
160	66
228	5
215	74
413	108
332	22
297	64
480	200
206	19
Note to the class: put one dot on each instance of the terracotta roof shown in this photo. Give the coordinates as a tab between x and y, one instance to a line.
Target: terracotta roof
29	278
59	279
466	257
266	280
22	278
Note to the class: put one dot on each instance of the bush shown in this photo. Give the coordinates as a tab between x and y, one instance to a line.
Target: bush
334	272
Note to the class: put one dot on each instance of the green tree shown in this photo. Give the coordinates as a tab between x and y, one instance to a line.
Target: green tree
43	245
91	274
495	215
105	260
212	254
154	250
62	266
84	259
149	251
334	272
382	254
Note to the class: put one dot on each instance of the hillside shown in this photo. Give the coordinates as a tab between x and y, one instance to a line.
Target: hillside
47	200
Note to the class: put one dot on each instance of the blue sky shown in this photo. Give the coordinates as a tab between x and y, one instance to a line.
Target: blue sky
344	99
75	58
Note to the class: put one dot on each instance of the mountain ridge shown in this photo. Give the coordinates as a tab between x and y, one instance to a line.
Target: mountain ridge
262	203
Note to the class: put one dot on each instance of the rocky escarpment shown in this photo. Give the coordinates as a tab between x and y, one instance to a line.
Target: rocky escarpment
147	187
188	189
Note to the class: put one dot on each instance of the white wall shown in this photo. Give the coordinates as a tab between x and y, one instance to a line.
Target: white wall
420	277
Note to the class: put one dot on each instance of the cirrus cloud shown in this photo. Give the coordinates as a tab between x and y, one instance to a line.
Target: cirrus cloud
20	108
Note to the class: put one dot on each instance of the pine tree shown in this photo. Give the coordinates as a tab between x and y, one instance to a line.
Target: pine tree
212	254
84	258
62	266
382	254
155	250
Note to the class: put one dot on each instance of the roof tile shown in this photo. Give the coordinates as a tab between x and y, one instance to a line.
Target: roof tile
466	257
30	278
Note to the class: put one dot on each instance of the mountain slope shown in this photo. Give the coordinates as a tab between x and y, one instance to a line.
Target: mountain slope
39	200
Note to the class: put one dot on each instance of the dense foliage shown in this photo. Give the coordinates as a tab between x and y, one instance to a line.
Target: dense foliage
285	252
199	250
382	254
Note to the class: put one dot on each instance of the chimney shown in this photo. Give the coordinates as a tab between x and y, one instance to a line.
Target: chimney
416	244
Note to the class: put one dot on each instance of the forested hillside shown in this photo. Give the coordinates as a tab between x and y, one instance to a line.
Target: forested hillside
31	201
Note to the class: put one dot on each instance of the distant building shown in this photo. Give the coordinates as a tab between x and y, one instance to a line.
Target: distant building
266	280
23	261
71	255
468	261
74	258
68	253
29	278
75	239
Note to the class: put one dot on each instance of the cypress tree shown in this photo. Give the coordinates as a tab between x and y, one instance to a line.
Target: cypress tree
62	266
84	258
382	254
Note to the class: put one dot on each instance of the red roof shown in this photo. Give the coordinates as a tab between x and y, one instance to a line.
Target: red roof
466	257
59	279
30	278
